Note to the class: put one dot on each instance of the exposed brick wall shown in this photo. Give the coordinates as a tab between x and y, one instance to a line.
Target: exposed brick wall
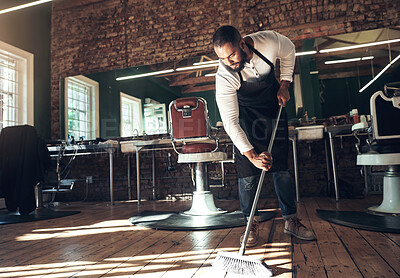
99	35
91	36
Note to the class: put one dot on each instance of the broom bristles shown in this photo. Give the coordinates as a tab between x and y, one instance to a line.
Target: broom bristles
235	263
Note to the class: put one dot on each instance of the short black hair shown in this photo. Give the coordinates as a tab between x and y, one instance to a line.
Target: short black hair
226	34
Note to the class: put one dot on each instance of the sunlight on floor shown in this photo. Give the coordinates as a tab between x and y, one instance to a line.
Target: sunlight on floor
191	254
176	264
111	226
103	224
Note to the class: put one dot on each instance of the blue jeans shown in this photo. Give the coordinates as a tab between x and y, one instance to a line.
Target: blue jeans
284	189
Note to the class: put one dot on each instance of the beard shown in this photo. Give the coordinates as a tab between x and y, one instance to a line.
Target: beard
241	62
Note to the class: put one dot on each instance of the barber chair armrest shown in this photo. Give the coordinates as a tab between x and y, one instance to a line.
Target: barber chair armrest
363	126
202	157
203	140
358	128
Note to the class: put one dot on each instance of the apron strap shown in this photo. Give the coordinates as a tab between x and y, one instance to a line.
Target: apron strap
261	56
265	59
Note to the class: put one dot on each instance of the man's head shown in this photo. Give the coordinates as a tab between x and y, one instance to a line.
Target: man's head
228	45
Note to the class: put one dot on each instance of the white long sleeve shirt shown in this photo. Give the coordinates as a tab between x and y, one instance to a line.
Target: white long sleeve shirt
273	46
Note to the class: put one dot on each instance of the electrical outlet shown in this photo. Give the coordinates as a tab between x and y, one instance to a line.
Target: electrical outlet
89	179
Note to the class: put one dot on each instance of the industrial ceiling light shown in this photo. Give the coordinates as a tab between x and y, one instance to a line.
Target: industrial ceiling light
24	6
358	46
348	60
306	53
144	74
197	67
379	74
206	63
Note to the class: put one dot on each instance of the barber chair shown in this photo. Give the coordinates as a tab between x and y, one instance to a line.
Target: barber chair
52	186
192	141
383	144
383	149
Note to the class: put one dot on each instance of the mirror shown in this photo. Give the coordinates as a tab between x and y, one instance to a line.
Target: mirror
337	78
326	83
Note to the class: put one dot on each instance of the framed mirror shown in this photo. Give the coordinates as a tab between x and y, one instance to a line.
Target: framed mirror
333	75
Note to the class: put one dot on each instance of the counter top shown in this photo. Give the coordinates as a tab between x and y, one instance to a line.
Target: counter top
339	129
85	147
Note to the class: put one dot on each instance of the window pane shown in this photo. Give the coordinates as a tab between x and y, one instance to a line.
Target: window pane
131	117
79	114
8	91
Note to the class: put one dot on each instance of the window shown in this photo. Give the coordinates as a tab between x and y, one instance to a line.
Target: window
82	108
131	115
155	118
16	86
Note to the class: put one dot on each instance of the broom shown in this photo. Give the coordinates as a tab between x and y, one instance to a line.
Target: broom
237	262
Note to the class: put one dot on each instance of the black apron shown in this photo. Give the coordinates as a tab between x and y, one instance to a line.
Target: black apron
258	109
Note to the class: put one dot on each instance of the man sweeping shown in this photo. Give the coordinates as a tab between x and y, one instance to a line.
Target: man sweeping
248	97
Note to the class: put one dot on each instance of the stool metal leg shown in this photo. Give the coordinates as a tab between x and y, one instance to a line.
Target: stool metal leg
203	199
296	171
334	166
391	192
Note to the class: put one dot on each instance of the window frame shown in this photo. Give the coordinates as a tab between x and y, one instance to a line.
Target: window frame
94	105
25	62
135	99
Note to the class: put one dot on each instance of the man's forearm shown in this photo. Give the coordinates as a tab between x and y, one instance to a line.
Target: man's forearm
284	84
261	161
250	154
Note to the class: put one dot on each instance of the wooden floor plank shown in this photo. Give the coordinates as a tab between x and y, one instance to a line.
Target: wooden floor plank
307	260
278	250
394	237
337	262
230	243
374	253
101	242
154	259
107	262
388	250
368	261
192	259
188	266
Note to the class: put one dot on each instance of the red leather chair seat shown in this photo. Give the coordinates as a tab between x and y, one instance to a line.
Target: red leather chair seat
198	147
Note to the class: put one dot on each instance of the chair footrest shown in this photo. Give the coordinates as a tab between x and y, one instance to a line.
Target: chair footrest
378	159
216	185
201	157
55	190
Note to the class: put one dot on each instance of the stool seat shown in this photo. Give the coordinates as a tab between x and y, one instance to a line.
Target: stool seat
199	147
378	159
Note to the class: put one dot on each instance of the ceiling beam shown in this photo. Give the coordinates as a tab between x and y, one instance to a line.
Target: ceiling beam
193	80
344	74
198	89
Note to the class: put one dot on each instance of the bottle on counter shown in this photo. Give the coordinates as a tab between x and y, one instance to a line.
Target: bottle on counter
354	115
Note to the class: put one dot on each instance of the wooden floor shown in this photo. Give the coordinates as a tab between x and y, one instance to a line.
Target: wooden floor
100	242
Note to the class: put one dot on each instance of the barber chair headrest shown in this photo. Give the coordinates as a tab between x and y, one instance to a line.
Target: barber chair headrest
186	103
385	112
188	118
385	115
